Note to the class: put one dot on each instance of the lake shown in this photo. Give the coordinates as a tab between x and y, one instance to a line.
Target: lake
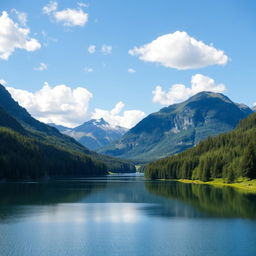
125	215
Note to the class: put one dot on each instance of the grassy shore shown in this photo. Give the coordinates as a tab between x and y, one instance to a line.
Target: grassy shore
247	186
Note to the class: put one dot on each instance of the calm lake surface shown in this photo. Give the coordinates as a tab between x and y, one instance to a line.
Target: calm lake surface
125	215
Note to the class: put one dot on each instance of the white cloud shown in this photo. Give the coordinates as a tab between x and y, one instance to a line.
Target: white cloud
22	17
127	119
180	51
117	109
179	92
83	4
50	8
68	17
60	104
3	82
106	49
42	66
131	70
12	36
71	17
88	70
91	49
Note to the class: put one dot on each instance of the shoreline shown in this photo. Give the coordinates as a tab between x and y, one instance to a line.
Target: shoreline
246	186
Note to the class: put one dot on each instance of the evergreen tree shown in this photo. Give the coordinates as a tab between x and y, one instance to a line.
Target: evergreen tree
249	162
231	176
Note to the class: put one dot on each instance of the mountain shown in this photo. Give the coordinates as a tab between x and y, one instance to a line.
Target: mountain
9	122
30	148
36	128
178	127
22	156
60	128
93	134
230	156
25	156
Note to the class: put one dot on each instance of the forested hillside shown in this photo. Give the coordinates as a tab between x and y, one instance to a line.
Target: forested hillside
230	155
25	157
31	149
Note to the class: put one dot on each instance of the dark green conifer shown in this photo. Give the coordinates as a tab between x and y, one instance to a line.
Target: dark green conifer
249	162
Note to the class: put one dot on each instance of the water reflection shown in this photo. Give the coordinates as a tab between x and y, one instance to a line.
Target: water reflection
209	200
124	216
17	200
120	199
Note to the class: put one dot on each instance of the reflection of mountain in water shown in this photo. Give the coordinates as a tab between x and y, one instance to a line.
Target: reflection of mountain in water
16	197
155	199
19	200
215	202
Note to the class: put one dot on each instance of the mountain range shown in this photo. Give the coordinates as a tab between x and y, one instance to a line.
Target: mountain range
230	156
93	134
30	148
178	127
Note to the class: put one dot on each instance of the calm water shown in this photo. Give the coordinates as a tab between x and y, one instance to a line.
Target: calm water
124	216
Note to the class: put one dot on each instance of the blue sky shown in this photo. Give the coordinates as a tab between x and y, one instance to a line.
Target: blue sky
228	26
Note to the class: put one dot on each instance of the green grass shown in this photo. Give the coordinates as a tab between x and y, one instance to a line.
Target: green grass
242	184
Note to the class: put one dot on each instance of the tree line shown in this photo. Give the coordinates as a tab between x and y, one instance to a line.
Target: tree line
25	157
230	156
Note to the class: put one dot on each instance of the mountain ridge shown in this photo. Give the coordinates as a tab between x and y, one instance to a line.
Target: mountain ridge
178	127
94	133
19	128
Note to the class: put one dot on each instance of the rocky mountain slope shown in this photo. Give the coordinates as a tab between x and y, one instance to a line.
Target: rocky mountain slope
178	127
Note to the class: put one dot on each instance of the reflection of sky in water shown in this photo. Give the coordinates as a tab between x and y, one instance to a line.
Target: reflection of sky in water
98	212
124	217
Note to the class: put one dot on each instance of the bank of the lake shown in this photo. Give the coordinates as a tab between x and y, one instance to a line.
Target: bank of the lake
245	186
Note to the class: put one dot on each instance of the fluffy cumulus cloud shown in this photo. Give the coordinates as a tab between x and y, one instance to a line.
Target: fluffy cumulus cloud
179	92
180	51
117	116
60	104
71	17
91	49
68	17
42	66
12	37
106	49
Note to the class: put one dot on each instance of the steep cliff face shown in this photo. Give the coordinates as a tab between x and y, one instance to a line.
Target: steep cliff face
178	127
